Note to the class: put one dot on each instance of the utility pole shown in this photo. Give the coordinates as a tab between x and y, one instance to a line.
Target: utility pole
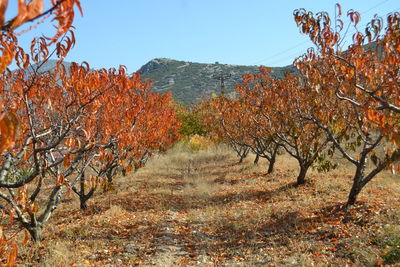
222	77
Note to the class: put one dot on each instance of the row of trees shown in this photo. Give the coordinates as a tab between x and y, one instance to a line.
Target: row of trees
344	102
76	127
68	129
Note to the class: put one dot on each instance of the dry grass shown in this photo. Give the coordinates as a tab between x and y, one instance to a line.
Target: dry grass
229	214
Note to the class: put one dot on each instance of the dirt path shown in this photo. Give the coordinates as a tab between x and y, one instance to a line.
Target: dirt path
182	241
170	249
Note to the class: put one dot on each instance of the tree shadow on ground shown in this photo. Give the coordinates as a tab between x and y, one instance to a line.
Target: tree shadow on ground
280	230
225	199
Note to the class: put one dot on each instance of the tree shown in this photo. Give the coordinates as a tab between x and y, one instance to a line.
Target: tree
191	119
53	139
133	124
226	119
62	12
354	89
279	105
259	124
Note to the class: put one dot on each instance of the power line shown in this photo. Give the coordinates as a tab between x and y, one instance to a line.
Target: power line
282	52
375	6
354	30
291	56
307	41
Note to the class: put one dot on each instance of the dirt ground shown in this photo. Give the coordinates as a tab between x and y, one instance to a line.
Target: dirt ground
203	208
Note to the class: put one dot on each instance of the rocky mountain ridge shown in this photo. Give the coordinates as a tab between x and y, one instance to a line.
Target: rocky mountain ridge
191	81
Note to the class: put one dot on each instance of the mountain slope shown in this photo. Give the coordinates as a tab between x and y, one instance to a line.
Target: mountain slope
191	81
50	64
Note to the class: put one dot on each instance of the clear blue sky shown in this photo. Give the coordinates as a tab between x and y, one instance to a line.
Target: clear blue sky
244	32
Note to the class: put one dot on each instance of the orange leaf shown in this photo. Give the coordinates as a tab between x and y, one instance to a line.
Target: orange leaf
26	238
32	208
67	161
3	7
4	134
12	124
22	14
339	9
12	256
35	8
78	4
6	57
60	179
27	12
129	168
371	114
8	130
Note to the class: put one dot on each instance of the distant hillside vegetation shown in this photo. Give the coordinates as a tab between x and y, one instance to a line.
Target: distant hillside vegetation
191	81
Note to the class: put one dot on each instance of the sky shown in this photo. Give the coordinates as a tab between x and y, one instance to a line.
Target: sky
240	32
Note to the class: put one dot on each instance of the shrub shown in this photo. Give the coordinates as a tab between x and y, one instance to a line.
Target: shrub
198	143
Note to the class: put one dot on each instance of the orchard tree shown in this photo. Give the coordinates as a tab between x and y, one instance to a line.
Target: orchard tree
280	104
258	126
62	14
232	122
54	137
146	125
227	119
356	90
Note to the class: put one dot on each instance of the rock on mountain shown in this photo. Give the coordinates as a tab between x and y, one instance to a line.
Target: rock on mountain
50	64
190	81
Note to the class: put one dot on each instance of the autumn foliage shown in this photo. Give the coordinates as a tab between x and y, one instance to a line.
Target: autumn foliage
73	130
68	129
344	101
62	13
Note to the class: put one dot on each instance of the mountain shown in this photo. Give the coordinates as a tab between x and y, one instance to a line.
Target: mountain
190	81
50	64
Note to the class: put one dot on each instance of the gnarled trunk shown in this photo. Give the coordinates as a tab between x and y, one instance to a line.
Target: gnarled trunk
357	184
256	159
83	197
271	166
242	153
301	178
35	232
272	160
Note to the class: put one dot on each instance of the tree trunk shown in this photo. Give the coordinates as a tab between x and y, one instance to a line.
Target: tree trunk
109	174
83	201
35	232
272	160
355	190
301	179
256	159
243	152
357	185
271	164
83	198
